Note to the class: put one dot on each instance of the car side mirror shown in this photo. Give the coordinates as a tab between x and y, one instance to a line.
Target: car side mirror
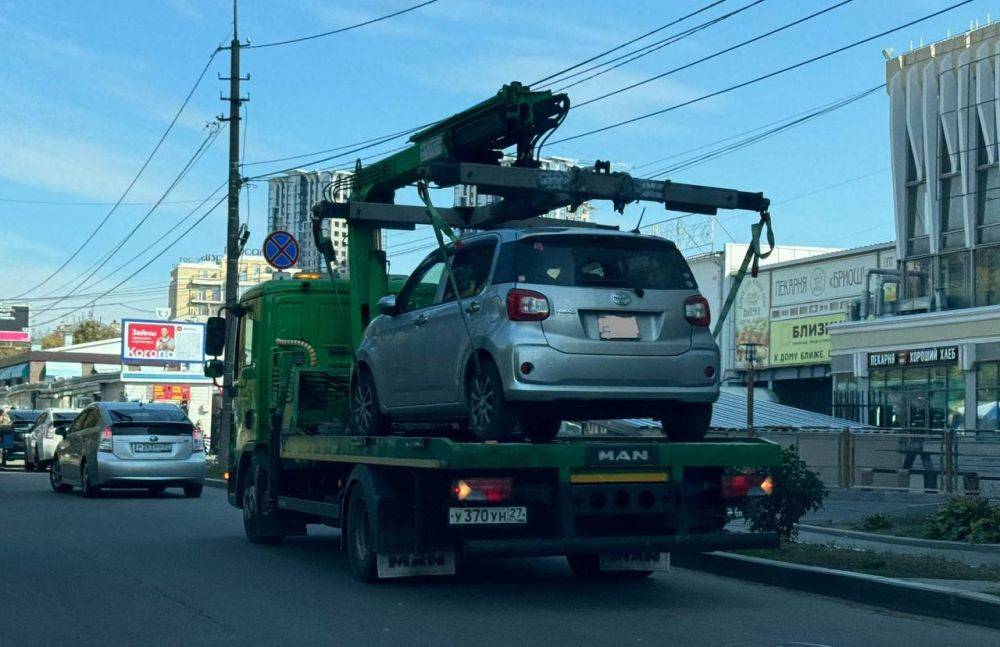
215	336
214	368
387	305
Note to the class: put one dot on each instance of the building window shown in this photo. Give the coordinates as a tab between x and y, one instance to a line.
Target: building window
951	194
988	396
955	281
987	193
987	276
916	207
917	397
917	277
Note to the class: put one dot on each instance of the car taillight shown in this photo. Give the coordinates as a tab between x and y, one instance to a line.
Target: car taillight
490	490
696	311
738	486
105	444
198	441
526	305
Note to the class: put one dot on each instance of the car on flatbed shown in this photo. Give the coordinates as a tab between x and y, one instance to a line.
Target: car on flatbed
535	326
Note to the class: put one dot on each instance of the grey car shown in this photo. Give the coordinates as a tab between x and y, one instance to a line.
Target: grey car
129	445
43	438
550	324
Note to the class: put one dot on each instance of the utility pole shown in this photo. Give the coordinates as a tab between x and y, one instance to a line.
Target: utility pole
233	245
750	353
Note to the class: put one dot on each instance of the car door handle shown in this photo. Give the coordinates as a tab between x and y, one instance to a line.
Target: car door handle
473	307
419	321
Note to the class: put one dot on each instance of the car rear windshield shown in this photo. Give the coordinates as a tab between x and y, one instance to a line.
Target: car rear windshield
63	417
166	414
161	428
601	261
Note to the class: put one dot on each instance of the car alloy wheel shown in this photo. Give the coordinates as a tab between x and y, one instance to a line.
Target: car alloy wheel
55	474
363	413
482	399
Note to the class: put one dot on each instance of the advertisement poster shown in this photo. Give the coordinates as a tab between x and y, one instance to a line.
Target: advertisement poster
171	393
802	341
752	314
162	342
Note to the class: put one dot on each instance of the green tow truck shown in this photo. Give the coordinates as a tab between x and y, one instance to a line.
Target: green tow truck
418	502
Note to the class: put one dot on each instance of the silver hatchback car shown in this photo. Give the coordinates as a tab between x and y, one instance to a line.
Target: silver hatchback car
129	445
550	324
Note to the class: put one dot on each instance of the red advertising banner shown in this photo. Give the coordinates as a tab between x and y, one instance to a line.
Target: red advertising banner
162	342
171	393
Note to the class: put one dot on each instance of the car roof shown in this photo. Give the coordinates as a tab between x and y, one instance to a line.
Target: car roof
23	414
135	406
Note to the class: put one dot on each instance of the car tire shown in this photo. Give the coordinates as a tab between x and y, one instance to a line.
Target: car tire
55	477
540	430
253	514
367	418
491	416
193	491
87	488
687	422
360	534
29	467
589	567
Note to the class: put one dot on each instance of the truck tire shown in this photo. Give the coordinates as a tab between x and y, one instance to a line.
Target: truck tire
366	414
360	536
253	507
589	567
687	422
491	416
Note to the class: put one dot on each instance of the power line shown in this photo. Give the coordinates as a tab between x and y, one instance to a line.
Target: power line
147	264
763	76
731	48
641	52
627	43
342	29
70	203
131	184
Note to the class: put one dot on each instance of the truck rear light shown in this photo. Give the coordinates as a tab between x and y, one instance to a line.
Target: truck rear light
198	441
738	486
490	490
696	311
105	444
527	305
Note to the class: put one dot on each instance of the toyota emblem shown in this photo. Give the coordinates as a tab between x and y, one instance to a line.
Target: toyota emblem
621	298
153	439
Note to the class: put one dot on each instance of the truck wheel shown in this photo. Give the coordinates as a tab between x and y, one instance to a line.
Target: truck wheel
589	567
253	513
540	430
687	422
366	415
360	536
491	417
55	477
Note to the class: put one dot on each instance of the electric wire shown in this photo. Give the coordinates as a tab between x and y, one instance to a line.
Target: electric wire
762	77
131	184
342	29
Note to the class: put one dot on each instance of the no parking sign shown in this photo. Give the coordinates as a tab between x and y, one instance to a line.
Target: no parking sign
281	250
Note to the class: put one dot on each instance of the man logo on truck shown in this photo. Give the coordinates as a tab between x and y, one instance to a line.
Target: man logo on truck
623	456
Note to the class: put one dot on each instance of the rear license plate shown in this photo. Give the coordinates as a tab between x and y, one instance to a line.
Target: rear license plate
617	327
140	448
635	562
487	516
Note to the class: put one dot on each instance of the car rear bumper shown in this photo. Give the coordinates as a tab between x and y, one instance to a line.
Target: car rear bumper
112	470
564	376
700	543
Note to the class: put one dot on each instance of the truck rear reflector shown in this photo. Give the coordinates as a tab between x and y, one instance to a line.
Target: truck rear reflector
738	486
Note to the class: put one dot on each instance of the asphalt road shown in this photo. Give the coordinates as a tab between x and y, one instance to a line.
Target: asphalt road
131	569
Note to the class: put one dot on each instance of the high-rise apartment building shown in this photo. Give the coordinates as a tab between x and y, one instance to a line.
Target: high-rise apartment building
289	200
197	285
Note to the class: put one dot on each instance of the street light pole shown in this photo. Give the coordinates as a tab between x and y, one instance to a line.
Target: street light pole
750	353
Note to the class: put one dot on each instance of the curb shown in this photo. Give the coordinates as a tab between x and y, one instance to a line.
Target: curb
920	599
992	549
217	483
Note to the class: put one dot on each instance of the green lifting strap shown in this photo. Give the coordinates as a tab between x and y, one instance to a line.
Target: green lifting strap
750	260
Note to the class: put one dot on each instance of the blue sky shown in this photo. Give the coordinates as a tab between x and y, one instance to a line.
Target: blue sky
87	87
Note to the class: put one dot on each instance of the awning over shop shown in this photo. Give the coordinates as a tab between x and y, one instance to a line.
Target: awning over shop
17	371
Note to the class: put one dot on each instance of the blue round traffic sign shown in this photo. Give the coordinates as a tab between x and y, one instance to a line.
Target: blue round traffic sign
281	250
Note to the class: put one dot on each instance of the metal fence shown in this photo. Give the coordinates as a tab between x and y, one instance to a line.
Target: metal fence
933	461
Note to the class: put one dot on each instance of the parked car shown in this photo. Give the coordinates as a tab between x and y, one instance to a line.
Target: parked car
555	324
21	421
42	439
129	445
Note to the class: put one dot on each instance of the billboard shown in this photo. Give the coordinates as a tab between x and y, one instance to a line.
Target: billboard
805	340
751	314
14	323
171	393
834	280
162	342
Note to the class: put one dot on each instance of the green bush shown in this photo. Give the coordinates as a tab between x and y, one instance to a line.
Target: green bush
797	491
957	518
874	522
987	529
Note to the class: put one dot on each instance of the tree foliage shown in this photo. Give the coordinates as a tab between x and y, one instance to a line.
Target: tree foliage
797	490
88	330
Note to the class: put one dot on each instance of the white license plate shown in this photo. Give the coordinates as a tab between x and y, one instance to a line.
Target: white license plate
487	516
617	327
635	562
141	448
